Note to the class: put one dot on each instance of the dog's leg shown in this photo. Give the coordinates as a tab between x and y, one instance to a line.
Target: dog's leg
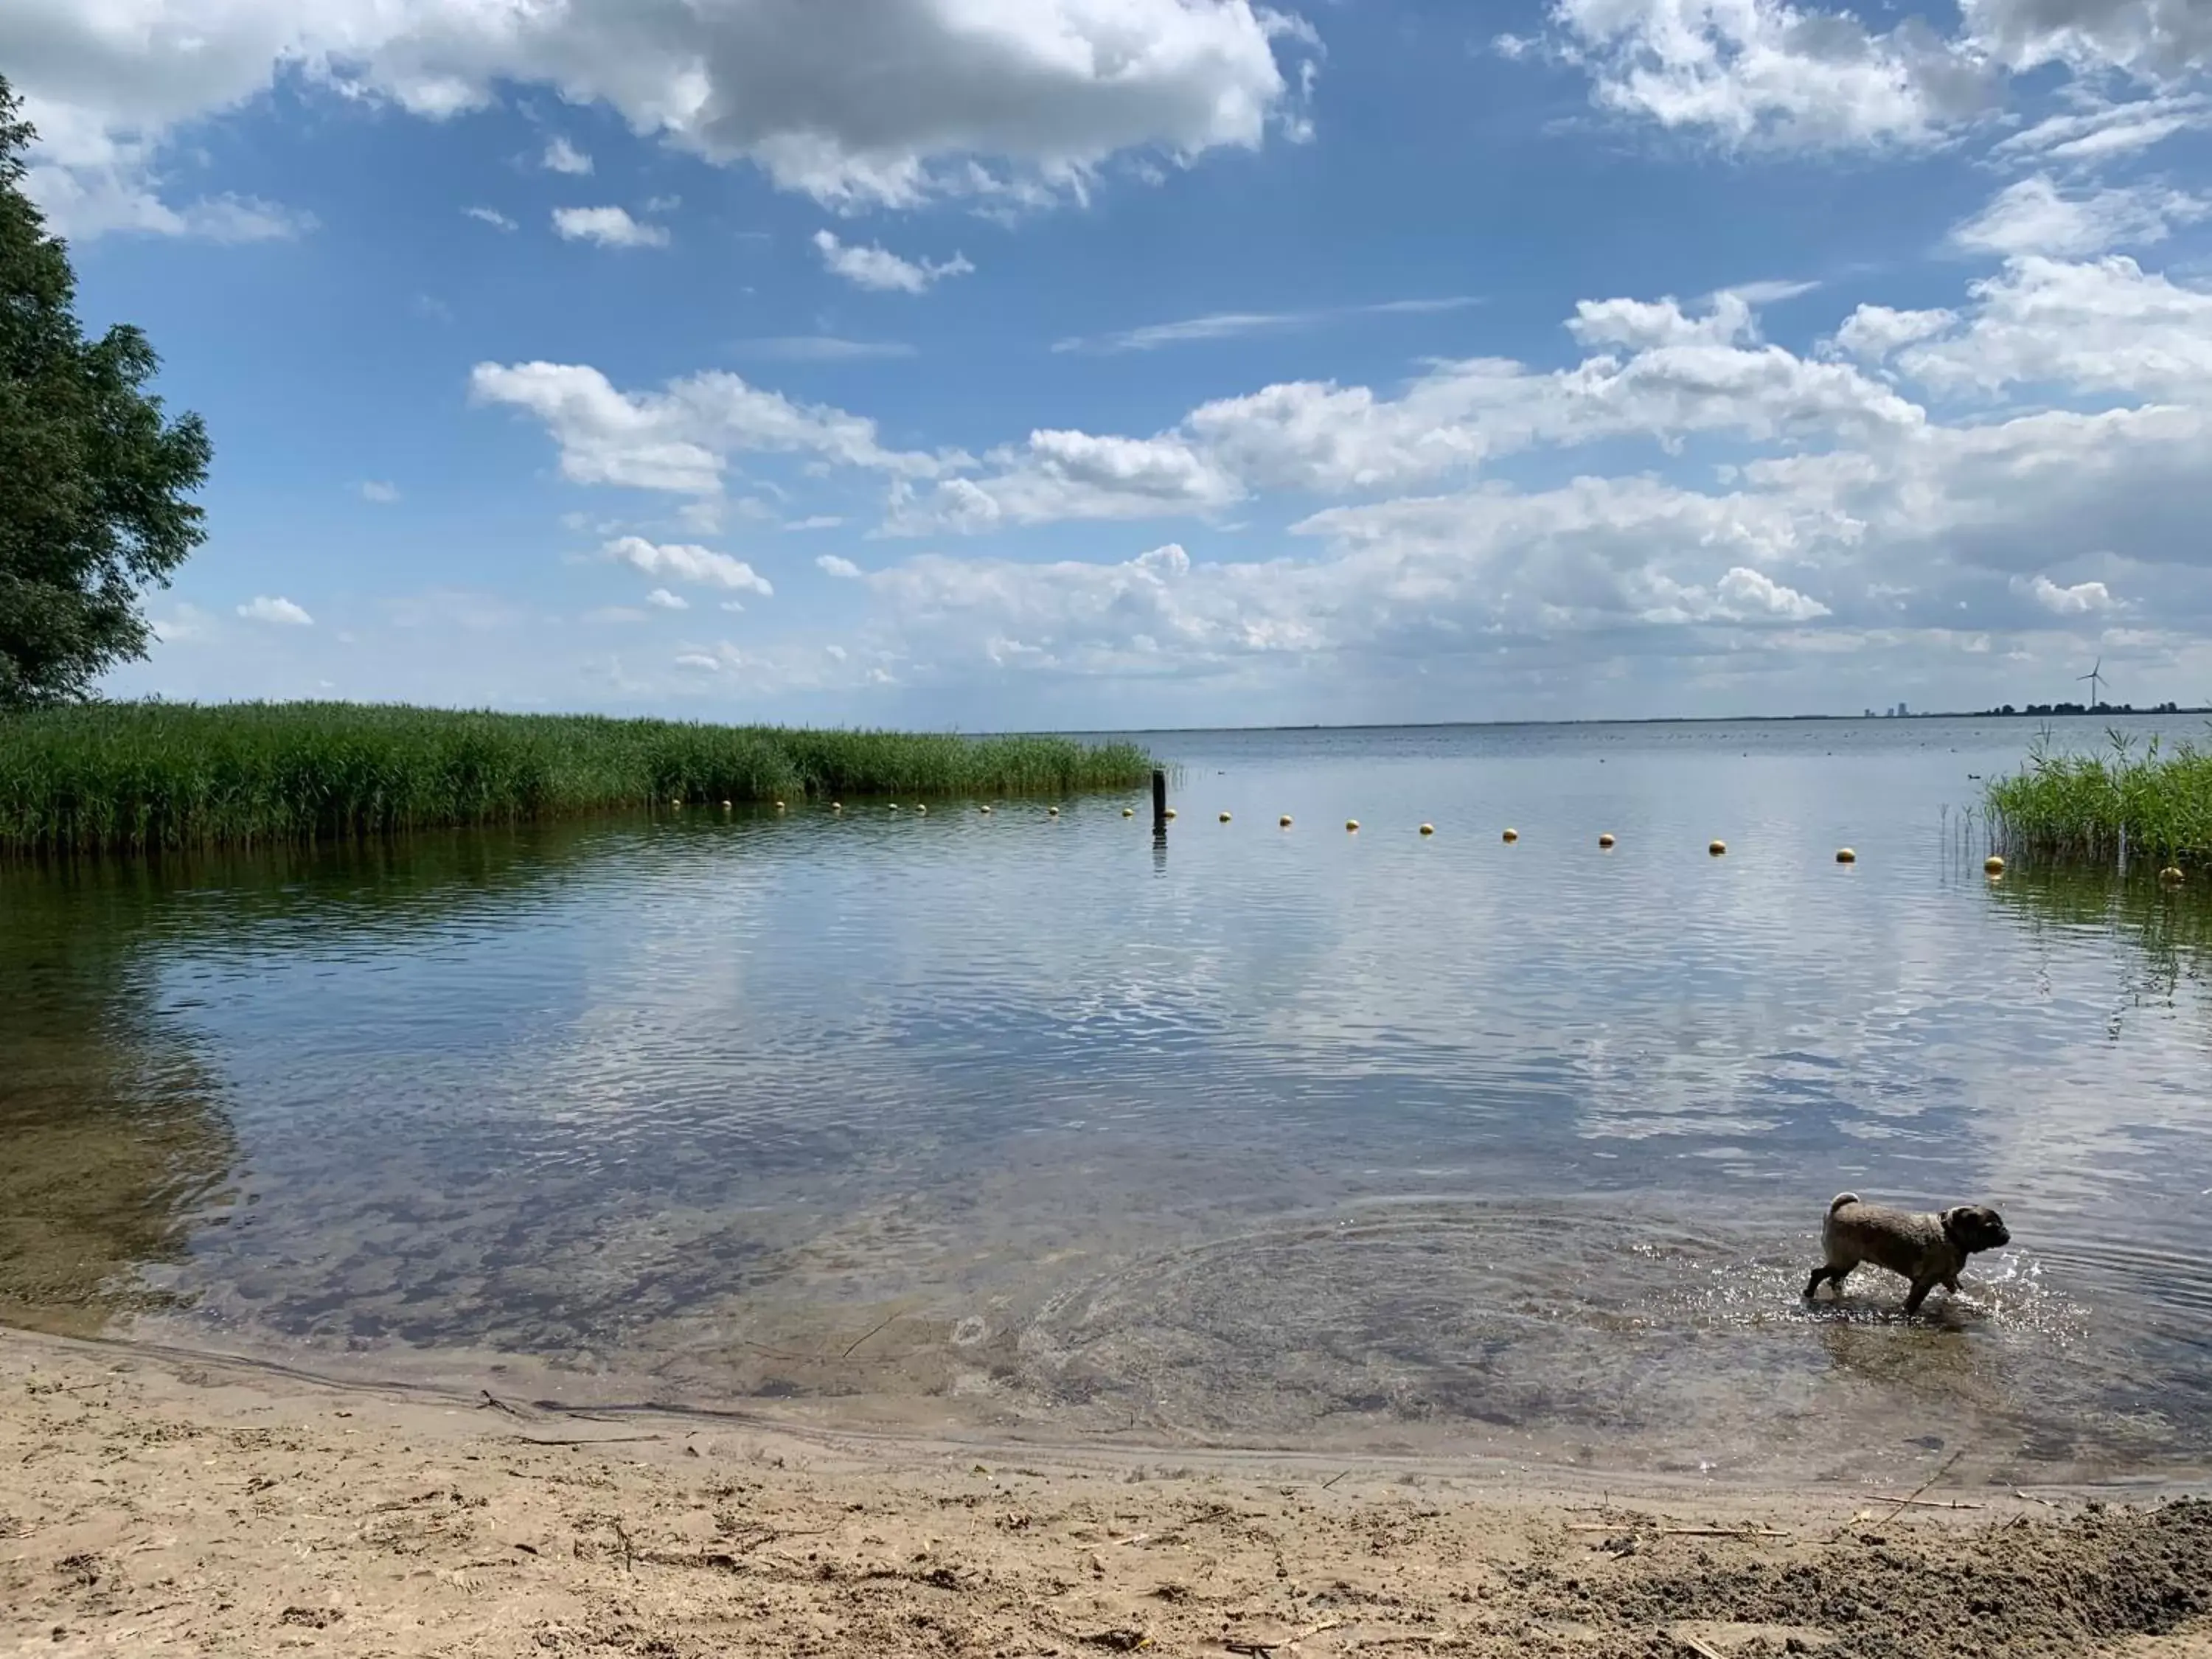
1920	1289
1952	1283
1834	1275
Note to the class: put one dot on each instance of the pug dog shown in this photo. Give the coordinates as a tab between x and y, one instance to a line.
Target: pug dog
1928	1249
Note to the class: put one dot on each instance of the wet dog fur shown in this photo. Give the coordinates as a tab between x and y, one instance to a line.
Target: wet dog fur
1928	1249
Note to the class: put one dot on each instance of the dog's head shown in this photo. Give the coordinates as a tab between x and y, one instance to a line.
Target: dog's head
1974	1227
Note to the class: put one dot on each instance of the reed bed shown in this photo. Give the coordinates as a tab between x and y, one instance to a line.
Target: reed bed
2103	808
147	776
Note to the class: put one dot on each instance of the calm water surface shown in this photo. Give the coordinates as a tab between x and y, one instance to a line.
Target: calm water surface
1263	1137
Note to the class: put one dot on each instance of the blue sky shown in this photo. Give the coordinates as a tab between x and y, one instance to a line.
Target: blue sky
1099	362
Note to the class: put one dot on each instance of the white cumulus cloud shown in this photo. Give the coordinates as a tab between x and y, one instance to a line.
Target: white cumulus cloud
2154	39
2095	326
1753	594
1776	74
876	102
684	562
610	226
2079	600
277	611
678	439
1873	332
844	569
661	599
562	156
1764	72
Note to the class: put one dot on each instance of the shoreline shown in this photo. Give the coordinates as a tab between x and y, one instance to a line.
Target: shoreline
172	1502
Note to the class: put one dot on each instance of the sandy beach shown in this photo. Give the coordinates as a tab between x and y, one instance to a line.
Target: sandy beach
154	1502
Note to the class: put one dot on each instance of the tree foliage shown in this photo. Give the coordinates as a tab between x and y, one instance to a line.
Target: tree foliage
93	479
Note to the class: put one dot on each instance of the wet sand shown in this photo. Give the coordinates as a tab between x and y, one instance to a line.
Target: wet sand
155	1502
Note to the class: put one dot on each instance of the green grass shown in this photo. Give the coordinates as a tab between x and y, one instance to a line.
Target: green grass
2062	806
137	776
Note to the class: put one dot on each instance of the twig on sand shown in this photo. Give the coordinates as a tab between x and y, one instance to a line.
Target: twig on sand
1900	1503
1695	1646
585	1439
1746	1531
1253	1647
873	1330
1333	1479
1929	1502
2029	1497
493	1402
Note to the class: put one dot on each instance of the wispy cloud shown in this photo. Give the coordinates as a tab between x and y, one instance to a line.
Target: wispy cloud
821	349
878	268
1414	308
382	494
1232	324
491	216
1772	292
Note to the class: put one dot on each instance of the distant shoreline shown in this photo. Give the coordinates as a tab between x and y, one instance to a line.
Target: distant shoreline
2036	711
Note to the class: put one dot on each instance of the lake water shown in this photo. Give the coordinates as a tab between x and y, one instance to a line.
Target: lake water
1036	1127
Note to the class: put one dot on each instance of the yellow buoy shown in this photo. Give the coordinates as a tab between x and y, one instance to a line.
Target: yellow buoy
1129	812
836	806
1993	866
1352	823
1716	848
779	805
920	807
894	806
1052	811
1284	820
985	810
1428	829
676	800
1606	840
1512	835
2171	872
1224	818
1171	811
725	807
1845	855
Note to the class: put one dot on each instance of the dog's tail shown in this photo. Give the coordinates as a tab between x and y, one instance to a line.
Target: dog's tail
1840	1200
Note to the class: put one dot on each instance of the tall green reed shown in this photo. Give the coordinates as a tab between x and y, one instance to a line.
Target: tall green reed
150	775
2125	801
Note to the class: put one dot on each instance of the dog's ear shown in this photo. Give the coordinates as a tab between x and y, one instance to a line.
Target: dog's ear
1954	1220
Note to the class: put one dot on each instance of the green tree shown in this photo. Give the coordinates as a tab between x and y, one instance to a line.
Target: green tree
93	480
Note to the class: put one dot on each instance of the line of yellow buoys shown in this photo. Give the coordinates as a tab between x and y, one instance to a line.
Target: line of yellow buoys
1993	866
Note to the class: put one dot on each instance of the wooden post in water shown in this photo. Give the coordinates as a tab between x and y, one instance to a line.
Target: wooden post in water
1159	801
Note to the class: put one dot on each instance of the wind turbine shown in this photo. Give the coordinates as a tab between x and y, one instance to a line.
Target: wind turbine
2096	679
